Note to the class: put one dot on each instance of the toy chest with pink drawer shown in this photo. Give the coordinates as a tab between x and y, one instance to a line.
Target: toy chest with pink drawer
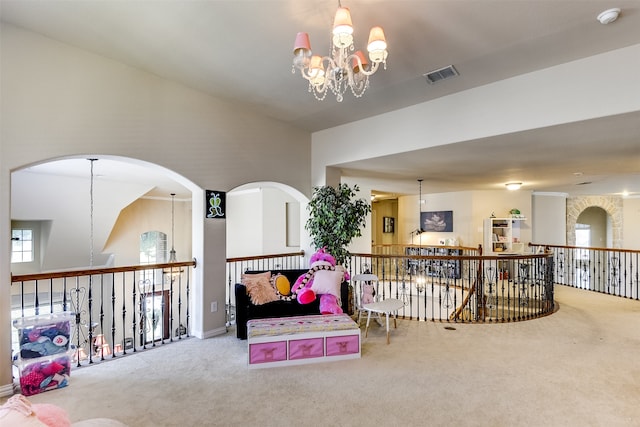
303	339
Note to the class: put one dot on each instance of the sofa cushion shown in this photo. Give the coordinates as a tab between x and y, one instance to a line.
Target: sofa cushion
282	285
327	282
259	288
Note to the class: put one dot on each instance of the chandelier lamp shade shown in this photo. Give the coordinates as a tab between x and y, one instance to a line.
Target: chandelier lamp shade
345	68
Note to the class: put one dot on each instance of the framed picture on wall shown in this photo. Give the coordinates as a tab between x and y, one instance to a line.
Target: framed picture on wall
437	221
388	224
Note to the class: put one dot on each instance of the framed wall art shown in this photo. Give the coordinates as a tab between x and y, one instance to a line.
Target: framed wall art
437	221
388	224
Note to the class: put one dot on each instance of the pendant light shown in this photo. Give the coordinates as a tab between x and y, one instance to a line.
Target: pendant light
172	253
420	230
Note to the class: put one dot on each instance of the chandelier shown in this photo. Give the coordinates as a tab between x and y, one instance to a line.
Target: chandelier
343	69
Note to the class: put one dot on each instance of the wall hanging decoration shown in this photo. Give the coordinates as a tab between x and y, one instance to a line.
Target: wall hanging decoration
215	204
388	224
437	221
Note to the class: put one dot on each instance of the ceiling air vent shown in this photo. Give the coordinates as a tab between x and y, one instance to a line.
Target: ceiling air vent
441	74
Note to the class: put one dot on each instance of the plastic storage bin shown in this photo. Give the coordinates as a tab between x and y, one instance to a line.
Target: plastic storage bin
44	373
44	361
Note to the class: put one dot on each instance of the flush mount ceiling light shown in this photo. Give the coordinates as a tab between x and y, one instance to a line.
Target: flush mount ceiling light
341	70
609	15
513	186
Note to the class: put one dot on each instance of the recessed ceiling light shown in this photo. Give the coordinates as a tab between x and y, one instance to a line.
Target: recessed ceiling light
513	186
609	15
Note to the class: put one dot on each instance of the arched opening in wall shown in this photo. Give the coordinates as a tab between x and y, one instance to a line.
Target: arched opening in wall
74	207
610	235
91	213
265	218
592	228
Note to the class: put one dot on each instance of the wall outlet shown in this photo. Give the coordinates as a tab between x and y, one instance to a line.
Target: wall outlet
214	306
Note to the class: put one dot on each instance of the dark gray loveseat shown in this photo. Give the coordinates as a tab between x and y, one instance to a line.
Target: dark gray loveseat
246	311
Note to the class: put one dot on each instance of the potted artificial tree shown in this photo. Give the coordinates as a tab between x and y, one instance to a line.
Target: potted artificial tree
335	218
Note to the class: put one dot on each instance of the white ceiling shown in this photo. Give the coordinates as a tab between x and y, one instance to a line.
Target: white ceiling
204	44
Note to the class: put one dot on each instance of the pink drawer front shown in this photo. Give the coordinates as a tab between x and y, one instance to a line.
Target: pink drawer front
347	344
306	349
267	352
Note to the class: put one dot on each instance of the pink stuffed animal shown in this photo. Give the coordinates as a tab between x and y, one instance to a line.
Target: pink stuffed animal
368	293
303	287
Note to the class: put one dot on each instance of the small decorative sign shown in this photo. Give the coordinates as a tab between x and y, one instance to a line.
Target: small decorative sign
215	204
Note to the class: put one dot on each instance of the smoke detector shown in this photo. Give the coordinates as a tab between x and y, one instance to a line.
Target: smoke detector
609	15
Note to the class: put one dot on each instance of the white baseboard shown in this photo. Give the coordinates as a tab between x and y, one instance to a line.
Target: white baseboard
212	333
6	390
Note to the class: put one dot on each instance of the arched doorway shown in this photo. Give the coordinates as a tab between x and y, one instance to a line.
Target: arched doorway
610	204
592	228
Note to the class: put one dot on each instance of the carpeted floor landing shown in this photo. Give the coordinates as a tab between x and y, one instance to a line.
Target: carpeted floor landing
577	367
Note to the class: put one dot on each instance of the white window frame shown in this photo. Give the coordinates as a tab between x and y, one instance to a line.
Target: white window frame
21	240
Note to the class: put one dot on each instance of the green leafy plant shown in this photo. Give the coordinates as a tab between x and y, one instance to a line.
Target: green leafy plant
335	218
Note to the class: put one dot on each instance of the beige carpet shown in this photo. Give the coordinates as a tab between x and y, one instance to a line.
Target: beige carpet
577	367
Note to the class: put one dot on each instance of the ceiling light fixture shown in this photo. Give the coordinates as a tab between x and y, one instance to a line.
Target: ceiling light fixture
342	70
609	15
513	186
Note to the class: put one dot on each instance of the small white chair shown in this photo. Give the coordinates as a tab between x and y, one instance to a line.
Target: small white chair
359	281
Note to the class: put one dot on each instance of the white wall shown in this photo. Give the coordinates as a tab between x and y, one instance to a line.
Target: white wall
258	219
470	209
549	220
60	101
631	222
244	221
274	219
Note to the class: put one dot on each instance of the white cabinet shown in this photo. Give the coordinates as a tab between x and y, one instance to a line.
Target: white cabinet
502	235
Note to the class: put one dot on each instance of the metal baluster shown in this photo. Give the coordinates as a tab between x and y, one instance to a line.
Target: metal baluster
171	307
113	313
492	300
180	305
36	300
134	322
124	307
187	290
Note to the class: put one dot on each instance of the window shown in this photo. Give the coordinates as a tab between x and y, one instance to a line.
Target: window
153	250
153	247
21	245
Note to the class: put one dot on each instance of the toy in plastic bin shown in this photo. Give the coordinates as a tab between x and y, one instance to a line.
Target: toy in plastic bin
44	335
44	374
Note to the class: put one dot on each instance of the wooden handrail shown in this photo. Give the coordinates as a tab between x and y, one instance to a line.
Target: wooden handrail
586	248
257	257
95	271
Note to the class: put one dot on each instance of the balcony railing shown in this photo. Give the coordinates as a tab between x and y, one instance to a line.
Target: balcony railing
609	271
117	310
127	309
443	283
